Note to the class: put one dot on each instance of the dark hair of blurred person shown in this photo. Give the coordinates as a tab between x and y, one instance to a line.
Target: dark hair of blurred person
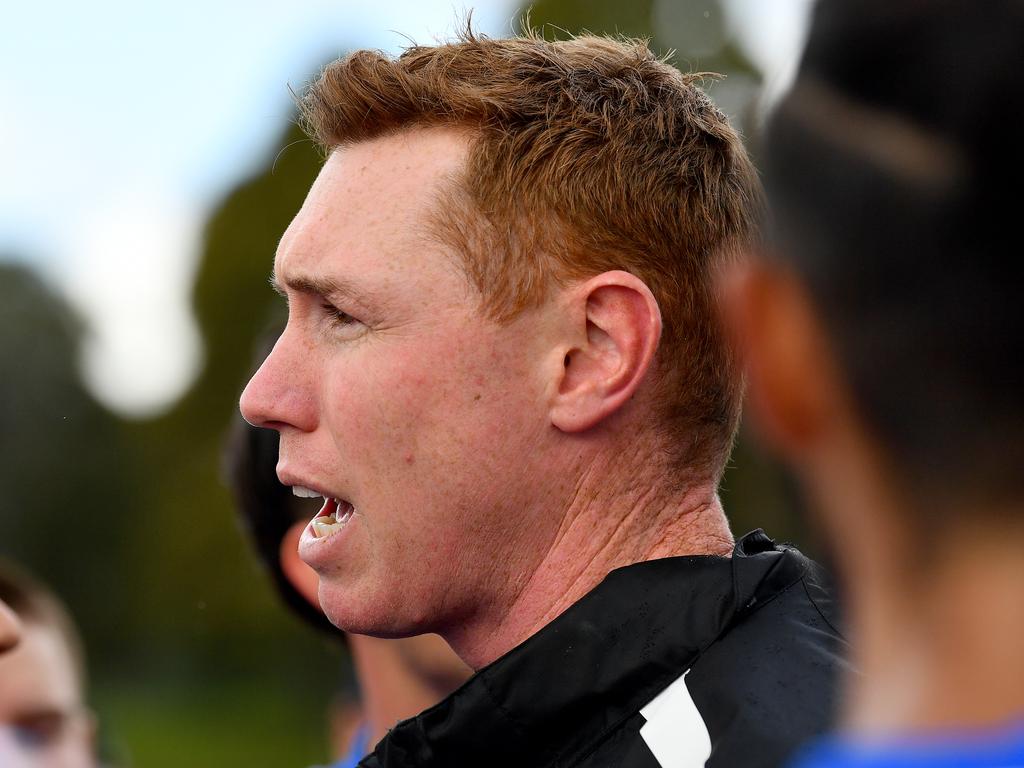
397	678
885	339
43	719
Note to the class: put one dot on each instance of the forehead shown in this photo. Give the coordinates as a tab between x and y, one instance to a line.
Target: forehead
373	203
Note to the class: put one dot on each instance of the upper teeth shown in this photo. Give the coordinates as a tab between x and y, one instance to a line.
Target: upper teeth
305	493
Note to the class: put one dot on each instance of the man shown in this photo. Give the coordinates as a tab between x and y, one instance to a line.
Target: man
886	342
43	720
503	374
397	678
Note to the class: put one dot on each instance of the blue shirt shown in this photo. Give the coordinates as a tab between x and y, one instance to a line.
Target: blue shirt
997	748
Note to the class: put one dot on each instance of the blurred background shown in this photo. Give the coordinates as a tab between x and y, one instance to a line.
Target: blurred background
148	165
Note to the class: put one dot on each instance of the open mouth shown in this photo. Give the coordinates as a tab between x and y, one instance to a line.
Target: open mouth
331	518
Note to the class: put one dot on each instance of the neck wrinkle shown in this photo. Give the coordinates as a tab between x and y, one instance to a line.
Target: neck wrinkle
615	516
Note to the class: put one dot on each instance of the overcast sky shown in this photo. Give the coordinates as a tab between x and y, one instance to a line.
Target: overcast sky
122	122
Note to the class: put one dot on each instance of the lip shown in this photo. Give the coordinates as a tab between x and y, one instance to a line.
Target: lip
319	554
324	554
294	480
290	479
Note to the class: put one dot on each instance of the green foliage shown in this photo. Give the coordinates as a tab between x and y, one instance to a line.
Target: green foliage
215	588
66	472
558	19
219	724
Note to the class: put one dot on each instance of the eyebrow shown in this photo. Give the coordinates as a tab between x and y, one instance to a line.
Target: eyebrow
320	286
325	287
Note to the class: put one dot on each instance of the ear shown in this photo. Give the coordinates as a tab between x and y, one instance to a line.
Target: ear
793	386
614	333
300	575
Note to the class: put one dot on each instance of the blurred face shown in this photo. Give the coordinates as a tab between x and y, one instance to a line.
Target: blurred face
421	422
42	721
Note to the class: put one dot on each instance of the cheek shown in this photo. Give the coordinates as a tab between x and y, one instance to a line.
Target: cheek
439	415
379	407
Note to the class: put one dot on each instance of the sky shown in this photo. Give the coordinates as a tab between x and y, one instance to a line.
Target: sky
123	122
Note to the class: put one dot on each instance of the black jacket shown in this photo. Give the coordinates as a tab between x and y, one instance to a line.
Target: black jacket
754	633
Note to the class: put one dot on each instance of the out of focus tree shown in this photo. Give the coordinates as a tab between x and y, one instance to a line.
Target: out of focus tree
205	621
65	476
203	578
131	524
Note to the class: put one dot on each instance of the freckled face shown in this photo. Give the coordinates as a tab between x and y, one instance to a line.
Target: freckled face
394	393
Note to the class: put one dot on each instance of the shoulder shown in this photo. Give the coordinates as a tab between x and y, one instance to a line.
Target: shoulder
769	683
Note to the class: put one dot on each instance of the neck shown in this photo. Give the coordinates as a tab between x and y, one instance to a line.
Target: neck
614	519
390	690
941	647
936	612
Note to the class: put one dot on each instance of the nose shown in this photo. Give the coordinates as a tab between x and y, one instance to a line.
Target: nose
10	629
280	393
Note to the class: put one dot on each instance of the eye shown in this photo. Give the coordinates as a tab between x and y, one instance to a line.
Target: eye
338	317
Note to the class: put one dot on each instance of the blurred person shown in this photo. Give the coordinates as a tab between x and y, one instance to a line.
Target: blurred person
503	372
44	722
885	340
397	678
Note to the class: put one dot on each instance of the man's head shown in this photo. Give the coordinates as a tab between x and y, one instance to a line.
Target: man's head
890	310
501	280
43	719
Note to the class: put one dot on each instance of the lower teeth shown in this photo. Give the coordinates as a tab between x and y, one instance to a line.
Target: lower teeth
326	526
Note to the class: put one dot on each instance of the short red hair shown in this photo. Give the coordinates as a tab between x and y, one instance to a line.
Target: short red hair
586	155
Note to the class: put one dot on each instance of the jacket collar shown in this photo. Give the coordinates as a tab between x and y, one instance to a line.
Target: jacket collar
608	655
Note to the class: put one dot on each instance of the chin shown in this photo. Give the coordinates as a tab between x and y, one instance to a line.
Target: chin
371	614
